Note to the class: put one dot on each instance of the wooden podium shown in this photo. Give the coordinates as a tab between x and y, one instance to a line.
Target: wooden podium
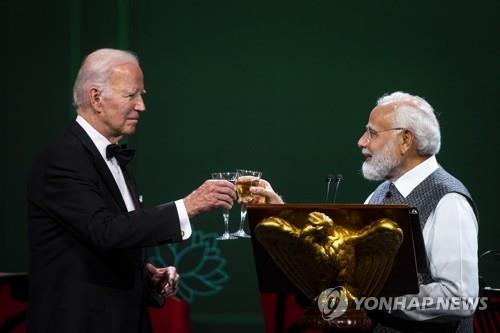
274	284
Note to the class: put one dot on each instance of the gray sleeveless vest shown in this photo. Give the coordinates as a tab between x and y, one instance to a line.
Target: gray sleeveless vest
425	198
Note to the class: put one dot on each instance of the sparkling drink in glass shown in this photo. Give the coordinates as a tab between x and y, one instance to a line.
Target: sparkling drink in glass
245	180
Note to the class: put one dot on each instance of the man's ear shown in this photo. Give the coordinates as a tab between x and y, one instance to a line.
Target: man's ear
95	99
407	141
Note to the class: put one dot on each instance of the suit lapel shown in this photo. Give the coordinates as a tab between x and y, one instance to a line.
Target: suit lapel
132	186
99	162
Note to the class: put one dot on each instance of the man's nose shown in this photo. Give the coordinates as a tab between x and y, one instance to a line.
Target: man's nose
363	140
140	105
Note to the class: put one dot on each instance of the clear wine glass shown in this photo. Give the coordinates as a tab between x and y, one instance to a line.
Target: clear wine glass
245	179
231	177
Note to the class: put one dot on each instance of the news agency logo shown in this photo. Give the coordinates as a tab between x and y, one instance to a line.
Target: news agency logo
332	303
451	304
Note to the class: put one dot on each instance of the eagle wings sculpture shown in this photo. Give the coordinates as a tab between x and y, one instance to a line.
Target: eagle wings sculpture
321	254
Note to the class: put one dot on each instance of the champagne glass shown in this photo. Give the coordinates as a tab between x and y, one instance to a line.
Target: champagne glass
231	177
245	179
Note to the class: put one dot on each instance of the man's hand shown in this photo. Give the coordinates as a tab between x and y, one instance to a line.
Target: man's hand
211	194
264	193
164	281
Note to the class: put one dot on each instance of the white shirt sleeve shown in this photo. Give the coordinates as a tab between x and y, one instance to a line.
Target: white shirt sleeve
183	219
450	237
367	201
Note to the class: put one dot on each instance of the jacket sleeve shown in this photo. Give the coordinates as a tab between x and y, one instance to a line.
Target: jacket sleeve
71	192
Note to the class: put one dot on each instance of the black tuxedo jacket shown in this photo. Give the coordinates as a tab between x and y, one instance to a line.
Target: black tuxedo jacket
86	264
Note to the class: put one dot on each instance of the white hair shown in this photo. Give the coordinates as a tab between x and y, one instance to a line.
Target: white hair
95	71
417	115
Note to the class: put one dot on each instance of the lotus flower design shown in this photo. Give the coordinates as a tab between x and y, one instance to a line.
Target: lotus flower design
198	261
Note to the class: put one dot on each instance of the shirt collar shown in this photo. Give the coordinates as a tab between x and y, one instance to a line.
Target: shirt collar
408	181
97	138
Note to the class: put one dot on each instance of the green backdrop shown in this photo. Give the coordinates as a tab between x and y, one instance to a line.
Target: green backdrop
280	86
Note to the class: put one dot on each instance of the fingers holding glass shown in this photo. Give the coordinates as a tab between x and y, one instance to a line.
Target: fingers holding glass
246	180
264	193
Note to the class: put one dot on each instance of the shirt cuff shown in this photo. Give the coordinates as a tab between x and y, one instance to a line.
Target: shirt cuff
183	219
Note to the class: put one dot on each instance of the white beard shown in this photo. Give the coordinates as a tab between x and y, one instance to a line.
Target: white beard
381	164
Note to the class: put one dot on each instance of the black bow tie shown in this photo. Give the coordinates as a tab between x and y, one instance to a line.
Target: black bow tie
121	153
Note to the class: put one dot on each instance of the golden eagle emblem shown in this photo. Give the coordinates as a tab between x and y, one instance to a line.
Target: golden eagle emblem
321	254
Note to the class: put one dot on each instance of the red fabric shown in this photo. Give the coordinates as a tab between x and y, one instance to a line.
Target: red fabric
292	312
173	317
9	307
488	320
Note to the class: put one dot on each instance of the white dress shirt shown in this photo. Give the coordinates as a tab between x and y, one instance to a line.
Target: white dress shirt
101	142
450	237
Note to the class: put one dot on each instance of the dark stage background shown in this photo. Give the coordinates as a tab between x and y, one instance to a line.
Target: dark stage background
280	86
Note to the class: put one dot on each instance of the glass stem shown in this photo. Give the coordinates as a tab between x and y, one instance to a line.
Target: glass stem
225	215
243	215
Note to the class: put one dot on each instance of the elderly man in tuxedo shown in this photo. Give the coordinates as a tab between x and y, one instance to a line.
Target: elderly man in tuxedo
399	146
87	227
